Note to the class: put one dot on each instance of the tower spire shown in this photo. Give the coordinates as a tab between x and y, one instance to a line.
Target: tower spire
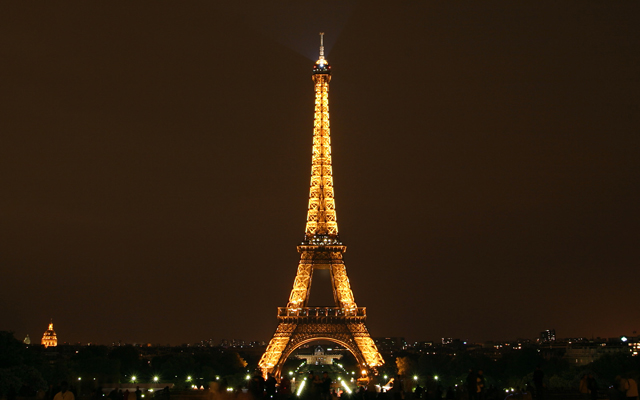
321	46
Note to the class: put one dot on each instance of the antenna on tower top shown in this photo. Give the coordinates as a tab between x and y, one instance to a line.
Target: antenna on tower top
321	45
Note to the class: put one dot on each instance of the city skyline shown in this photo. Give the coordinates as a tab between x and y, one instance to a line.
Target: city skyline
49	339
155	166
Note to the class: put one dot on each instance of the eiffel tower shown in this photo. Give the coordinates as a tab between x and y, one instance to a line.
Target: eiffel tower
344	322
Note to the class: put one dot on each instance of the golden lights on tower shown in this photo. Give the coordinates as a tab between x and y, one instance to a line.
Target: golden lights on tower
321	214
343	323
49	338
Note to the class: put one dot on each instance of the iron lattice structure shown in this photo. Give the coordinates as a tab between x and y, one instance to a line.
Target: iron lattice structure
344	322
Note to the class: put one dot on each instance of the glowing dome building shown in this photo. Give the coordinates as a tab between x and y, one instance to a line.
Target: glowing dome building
49	338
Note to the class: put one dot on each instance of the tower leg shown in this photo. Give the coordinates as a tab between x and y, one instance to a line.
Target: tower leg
278	343
366	345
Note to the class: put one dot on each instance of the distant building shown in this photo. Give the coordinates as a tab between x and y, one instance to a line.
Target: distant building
390	344
27	340
319	357
448	340
634	345
50	339
547	336
582	355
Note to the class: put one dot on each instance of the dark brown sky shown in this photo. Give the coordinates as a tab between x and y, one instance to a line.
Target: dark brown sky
155	160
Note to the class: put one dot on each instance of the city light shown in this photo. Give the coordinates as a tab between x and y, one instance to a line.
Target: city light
79	378
155	379
188	378
415	377
435	377
248	377
133	378
345	386
301	387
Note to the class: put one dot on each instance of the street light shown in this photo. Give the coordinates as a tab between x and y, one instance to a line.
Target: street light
155	379
133	379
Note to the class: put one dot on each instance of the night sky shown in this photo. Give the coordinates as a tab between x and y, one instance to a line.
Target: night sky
155	161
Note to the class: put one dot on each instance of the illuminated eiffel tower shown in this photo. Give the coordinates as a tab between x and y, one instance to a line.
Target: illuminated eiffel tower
344	322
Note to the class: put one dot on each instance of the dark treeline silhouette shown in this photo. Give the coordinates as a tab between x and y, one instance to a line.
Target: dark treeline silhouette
29	369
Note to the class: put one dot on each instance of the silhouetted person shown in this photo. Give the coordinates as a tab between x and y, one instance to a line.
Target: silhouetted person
284	390
417	392
270	386
325	386
450	394
629	387
614	392
63	394
397	390
593	387
138	393
310	390
584	387
256	386
472	385
317	386
438	392
538	381
480	387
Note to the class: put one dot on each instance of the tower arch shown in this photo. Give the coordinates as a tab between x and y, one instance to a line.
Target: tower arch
303	340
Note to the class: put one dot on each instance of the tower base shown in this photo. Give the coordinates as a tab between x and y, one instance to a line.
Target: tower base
299	326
